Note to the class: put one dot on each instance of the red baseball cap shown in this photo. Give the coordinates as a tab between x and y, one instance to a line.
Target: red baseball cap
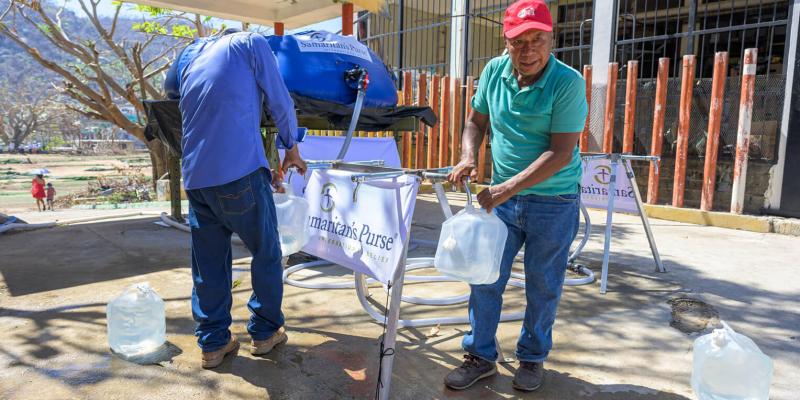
525	15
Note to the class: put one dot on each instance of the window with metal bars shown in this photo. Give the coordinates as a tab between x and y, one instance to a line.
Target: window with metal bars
650	29
418	38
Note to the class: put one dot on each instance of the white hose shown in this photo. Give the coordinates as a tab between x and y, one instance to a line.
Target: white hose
29	227
25	227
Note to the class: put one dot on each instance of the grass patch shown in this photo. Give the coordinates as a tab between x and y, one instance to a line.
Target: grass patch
12	161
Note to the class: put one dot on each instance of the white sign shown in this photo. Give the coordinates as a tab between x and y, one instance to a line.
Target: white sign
594	186
365	231
326	42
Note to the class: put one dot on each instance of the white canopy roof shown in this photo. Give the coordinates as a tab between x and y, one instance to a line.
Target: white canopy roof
293	13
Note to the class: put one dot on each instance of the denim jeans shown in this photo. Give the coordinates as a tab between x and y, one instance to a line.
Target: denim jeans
244	206
546	225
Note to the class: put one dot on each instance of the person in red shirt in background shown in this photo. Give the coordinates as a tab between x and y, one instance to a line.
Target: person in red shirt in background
37	191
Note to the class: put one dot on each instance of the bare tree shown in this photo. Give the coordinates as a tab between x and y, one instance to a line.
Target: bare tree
108	72
21	112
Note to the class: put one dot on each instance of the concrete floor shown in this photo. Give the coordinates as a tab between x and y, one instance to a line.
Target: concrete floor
55	283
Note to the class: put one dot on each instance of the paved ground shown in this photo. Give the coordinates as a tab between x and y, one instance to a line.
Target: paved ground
55	283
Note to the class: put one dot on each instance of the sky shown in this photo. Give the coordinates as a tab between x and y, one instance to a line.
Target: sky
106	7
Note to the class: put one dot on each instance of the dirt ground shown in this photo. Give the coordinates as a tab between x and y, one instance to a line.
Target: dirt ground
68	174
55	284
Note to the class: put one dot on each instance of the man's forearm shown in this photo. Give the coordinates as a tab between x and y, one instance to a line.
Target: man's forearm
544	167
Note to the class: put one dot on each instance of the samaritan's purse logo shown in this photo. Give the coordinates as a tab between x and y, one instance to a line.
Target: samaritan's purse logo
328	191
602	174
527	12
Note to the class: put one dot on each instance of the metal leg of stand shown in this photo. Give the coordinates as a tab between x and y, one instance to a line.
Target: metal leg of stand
500	357
442	197
609	219
393	315
645	221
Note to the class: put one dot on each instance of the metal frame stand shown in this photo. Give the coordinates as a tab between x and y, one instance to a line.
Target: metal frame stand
615	161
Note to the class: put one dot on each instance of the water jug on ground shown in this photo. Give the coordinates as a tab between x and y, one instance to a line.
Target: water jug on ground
730	366
136	323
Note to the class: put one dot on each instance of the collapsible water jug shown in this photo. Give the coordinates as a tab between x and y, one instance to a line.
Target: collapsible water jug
136	322
292	214
471	245
729	366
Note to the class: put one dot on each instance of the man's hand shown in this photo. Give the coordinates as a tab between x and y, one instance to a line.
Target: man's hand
464	168
277	180
292	158
494	196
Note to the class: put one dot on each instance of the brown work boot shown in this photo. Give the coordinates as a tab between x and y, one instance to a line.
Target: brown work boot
261	347
213	359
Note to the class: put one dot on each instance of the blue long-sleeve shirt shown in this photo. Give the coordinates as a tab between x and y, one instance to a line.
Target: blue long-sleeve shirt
222	91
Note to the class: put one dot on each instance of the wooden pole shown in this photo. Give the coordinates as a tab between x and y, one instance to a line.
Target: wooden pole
278	28
714	122
408	82
347	19
174	169
743	131
455	148
630	106
687	84
433	132
587	76
444	124
611	104
658	128
422	92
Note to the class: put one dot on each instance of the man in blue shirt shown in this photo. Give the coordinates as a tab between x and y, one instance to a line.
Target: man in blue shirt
227	181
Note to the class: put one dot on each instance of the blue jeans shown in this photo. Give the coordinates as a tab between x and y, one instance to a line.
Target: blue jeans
244	206
546	225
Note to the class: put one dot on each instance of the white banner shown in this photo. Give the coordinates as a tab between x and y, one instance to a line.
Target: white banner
367	235
594	186
326	42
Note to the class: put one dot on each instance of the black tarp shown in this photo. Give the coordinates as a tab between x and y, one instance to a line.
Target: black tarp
164	118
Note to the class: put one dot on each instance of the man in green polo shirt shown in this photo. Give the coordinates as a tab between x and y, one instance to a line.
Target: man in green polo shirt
536	108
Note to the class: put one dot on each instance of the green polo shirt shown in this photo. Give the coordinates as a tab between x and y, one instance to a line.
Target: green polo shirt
523	120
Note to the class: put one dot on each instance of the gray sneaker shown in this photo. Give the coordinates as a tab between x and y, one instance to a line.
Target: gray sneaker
529	376
472	370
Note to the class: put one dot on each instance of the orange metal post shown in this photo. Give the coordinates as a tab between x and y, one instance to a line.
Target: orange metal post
433	132
687	84
408	81
444	124
587	76
455	148
630	105
347	19
714	122
658	128
611	103
422	92
743	131
278	28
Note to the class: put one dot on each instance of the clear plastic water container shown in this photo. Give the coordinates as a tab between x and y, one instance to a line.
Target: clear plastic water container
471	245
292	214
136	322
730	366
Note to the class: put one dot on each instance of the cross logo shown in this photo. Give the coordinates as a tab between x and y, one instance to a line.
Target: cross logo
527	12
603	175
327	204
